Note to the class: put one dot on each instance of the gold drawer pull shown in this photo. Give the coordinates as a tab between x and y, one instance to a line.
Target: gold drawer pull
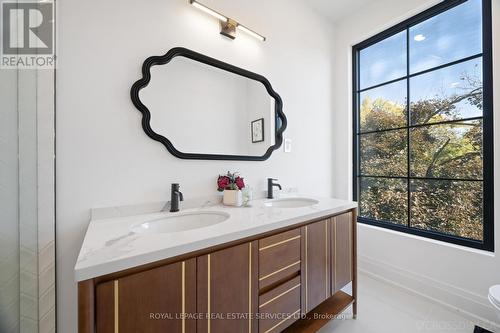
281	322
116	310
279	270
279	243
276	297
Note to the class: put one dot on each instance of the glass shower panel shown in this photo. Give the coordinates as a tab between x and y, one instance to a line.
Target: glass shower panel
27	252
9	201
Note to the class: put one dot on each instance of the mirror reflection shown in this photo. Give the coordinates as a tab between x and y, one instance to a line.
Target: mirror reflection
206	110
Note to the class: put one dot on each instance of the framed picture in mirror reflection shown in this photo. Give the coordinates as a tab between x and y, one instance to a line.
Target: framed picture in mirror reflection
258	130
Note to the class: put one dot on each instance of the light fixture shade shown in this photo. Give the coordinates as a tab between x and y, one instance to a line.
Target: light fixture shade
250	32
208	10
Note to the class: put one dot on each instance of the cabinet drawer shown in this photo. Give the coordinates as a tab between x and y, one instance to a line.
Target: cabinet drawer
279	257
279	307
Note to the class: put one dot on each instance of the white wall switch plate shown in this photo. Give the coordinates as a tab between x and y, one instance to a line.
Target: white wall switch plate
287	145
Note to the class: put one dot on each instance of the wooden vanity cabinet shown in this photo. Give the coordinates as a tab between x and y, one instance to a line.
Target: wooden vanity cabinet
151	301
316	264
279	280
341	251
227	290
328	249
279	258
328	264
260	285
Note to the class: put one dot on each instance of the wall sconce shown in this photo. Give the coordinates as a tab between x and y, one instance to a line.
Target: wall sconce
228	26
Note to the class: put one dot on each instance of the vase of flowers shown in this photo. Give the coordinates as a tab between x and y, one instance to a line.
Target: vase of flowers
231	185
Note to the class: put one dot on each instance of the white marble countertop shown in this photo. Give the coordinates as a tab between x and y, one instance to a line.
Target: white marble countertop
110	245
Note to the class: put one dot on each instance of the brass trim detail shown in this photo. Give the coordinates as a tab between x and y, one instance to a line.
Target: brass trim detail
335	253
279	270
116	299
306	266
276	297
281	322
208	294
326	258
350	247
183	297
249	287
279	243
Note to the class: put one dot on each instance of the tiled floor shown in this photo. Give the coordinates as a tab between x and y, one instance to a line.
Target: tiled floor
384	308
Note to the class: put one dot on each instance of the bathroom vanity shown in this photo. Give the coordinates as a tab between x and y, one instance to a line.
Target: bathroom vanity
278	265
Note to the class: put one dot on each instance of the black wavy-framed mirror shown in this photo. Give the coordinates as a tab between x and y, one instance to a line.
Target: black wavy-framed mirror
202	108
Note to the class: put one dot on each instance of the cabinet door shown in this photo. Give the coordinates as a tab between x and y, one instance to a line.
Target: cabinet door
157	300
228	290
316	264
342	251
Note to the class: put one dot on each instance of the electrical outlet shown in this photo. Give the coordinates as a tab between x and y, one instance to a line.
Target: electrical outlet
287	145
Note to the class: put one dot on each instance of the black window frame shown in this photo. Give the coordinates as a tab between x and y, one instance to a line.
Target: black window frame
488	185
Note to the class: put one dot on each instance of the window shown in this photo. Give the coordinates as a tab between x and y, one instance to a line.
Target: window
423	150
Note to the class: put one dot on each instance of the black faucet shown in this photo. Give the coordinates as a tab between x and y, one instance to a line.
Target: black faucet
270	186
175	197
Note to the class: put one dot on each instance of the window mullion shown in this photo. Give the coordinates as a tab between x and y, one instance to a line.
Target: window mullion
408	123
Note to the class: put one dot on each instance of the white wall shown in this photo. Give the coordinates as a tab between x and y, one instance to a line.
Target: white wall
103	156
450	274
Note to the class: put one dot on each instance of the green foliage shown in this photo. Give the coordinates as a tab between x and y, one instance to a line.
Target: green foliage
384	153
451	207
384	199
450	150
381	114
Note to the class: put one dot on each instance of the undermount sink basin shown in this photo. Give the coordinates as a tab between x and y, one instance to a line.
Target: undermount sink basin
291	202
181	222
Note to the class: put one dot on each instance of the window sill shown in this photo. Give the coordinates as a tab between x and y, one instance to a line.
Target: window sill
429	240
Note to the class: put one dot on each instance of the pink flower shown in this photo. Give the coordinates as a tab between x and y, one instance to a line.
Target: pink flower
239	182
222	183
